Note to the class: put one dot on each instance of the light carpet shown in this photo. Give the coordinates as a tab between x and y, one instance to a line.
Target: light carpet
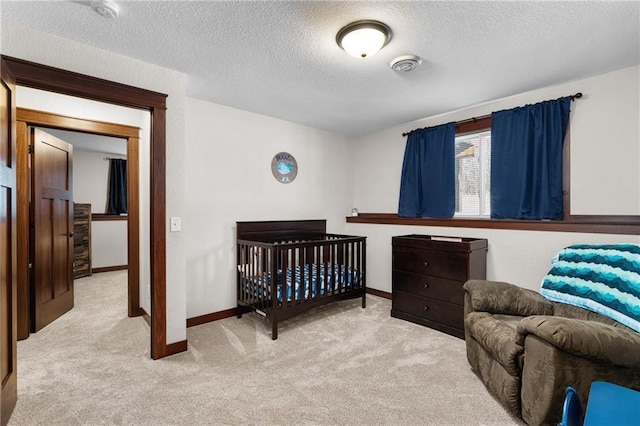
339	364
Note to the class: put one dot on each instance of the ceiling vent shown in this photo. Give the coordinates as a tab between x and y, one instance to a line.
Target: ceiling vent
106	8
406	63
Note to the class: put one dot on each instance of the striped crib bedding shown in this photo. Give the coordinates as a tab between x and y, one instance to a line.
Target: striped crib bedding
305	282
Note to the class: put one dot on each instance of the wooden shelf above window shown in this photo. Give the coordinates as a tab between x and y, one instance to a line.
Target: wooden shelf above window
624	225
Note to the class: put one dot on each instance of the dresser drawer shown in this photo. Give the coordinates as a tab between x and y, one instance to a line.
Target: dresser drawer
435	310
445	265
429	286
81	214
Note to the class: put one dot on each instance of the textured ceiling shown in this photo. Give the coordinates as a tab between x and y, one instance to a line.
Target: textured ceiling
280	58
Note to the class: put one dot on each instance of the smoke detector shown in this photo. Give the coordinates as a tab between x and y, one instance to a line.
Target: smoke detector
405	63
106	8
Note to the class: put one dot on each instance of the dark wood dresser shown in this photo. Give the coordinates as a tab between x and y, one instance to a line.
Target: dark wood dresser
428	274
81	240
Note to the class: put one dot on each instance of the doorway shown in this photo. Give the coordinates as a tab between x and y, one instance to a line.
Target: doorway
14	72
74	84
27	119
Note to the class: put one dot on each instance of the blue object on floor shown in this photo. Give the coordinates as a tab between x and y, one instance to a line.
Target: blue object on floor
572	410
611	404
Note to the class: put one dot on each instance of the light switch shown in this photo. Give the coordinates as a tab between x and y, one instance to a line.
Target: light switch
174	224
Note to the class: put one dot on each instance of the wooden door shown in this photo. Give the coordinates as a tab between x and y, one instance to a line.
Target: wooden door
51	217
8	248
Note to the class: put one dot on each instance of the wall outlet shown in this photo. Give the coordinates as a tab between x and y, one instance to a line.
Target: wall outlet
174	224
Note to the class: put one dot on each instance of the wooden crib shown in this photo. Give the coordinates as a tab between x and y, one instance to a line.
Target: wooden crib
289	267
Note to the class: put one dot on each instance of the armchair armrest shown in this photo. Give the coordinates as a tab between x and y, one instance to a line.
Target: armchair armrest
590	339
503	298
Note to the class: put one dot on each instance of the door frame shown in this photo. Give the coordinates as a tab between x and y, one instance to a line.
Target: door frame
57	80
8	256
26	118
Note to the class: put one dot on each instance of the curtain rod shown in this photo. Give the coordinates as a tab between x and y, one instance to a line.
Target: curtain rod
113	158
474	119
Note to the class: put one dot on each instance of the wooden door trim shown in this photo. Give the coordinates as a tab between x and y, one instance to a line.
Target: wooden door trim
133	228
43	77
8	179
71	83
58	121
29	117
23	191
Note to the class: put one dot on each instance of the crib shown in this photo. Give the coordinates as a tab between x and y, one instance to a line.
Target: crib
286	268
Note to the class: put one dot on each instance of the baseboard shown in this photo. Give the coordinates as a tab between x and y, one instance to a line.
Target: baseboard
146	317
215	316
176	348
171	348
109	269
379	293
137	313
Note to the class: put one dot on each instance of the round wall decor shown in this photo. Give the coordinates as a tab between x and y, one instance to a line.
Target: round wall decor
284	167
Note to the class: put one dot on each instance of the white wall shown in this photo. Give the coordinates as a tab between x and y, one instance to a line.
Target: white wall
228	178
90	185
32	45
605	178
109	244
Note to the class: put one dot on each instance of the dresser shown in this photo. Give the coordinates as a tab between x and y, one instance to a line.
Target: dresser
428	274
81	240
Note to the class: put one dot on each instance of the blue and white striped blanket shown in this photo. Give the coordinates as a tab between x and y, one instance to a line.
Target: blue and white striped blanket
603	278
298	279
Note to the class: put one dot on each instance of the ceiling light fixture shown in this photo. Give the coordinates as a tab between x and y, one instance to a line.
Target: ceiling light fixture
362	39
106	8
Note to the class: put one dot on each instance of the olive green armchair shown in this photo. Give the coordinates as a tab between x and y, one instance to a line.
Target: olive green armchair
527	349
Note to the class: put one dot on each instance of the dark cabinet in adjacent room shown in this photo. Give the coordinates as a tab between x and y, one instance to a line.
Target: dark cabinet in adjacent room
81	240
428	274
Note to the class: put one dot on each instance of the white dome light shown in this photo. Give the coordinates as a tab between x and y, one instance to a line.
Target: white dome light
362	39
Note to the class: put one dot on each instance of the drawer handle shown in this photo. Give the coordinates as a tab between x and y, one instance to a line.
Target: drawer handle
426	264
426	308
426	285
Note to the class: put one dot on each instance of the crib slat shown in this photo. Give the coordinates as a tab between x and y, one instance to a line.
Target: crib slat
283	279
359	263
240	275
334	261
316	263
349	270
263	273
299	266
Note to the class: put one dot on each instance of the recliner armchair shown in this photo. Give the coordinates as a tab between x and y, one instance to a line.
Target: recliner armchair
527	349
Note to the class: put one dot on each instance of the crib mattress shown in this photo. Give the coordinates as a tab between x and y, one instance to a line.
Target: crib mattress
310	281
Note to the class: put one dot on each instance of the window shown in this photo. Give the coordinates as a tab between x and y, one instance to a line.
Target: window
498	167
473	174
